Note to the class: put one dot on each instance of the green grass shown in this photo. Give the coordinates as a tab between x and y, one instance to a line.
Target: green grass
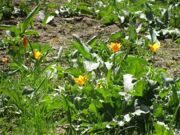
90	89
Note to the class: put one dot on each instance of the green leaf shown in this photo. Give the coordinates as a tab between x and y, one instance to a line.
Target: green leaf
11	28
14	96
132	33
135	66
115	36
163	93
84	8
161	130
92	108
28	19
73	71
84	50
108	16
158	112
92	41
139	88
7	27
48	18
32	32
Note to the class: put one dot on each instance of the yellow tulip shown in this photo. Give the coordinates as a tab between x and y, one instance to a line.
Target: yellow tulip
115	47
81	80
155	47
37	54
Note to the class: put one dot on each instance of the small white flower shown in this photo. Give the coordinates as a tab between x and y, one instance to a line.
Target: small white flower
77	98
57	12
122	18
152	82
90	66
119	0
114	120
16	10
168	79
138	112
77	127
97	11
122	93
49	19
41	15
143	16
127	118
121	123
99	3
102	101
126	96
108	126
163	124
60	89
108	65
128	85
8	32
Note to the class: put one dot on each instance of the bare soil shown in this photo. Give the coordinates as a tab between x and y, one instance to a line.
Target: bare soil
168	57
60	32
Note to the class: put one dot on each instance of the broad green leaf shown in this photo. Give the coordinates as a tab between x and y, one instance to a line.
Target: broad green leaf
97	126
134	65
115	36
164	93
84	8
73	71
158	111
132	33
139	88
108	16
160	129
84	50
92	108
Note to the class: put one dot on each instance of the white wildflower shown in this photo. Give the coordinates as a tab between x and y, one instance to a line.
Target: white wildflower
108	65
121	123
127	118
138	112
108	126
90	66
163	124
119	0
128	85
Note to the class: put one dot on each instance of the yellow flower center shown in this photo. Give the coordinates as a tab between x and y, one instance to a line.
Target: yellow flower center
115	47
155	47
81	80
37	55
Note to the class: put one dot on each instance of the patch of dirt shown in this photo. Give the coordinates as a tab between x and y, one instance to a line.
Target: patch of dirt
168	57
61	30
